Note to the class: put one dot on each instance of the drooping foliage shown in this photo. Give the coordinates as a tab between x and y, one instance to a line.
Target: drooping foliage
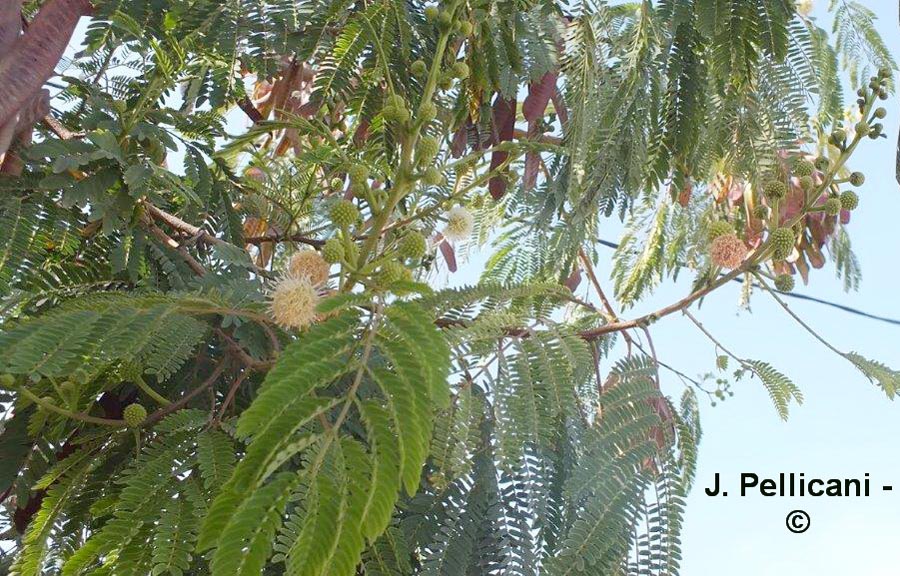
227	344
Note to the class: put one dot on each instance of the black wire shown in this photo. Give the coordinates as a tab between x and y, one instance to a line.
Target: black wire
797	296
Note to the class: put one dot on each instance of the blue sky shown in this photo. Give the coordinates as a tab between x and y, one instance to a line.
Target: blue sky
845	428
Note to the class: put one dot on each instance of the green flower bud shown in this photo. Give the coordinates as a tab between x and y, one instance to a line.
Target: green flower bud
833	206
822	163
460	70
782	243
419	69
838	137
433	177
431	13
760	212
358	173
134	415
427	149
784	283
333	250
336	183
849	200
465	27
803	167
807	183
392	272
7	381
880	112
719	228
413	245
444	21
857	178
427	112
862	128
344	214
775	189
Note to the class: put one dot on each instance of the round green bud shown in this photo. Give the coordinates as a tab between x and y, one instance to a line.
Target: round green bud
775	189
877	128
465	27
862	128
882	94
333	250
444	21
395	100
822	163
359	189
782	243
336	183
134	415
427	149
419	69
849	200
7	381
857	178
344	214
838	136
392	272
358	173
427	111
431	13
445	82
46	400
880	112
760	212
861	92
432	176
784	283
719	228
413	245
803	167
832	206
460	70
807	183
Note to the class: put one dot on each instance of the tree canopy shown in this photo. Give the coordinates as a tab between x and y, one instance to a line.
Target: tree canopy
227	344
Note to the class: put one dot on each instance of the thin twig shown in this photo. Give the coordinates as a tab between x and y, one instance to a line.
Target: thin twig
180	403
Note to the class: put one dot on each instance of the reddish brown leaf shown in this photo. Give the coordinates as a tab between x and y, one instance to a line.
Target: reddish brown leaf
449	255
539	94
504	128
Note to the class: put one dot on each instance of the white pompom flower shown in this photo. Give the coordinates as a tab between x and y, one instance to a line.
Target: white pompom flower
459	224
294	301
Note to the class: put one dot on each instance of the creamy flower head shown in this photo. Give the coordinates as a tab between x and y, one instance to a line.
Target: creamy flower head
852	116
805	7
294	302
459	224
728	251
309	264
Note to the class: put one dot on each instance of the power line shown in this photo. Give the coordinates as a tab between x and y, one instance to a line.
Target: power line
798	296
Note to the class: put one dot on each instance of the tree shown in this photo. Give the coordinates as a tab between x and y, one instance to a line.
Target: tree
231	353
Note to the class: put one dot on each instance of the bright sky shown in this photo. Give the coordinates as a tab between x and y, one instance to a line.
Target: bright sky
846	426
